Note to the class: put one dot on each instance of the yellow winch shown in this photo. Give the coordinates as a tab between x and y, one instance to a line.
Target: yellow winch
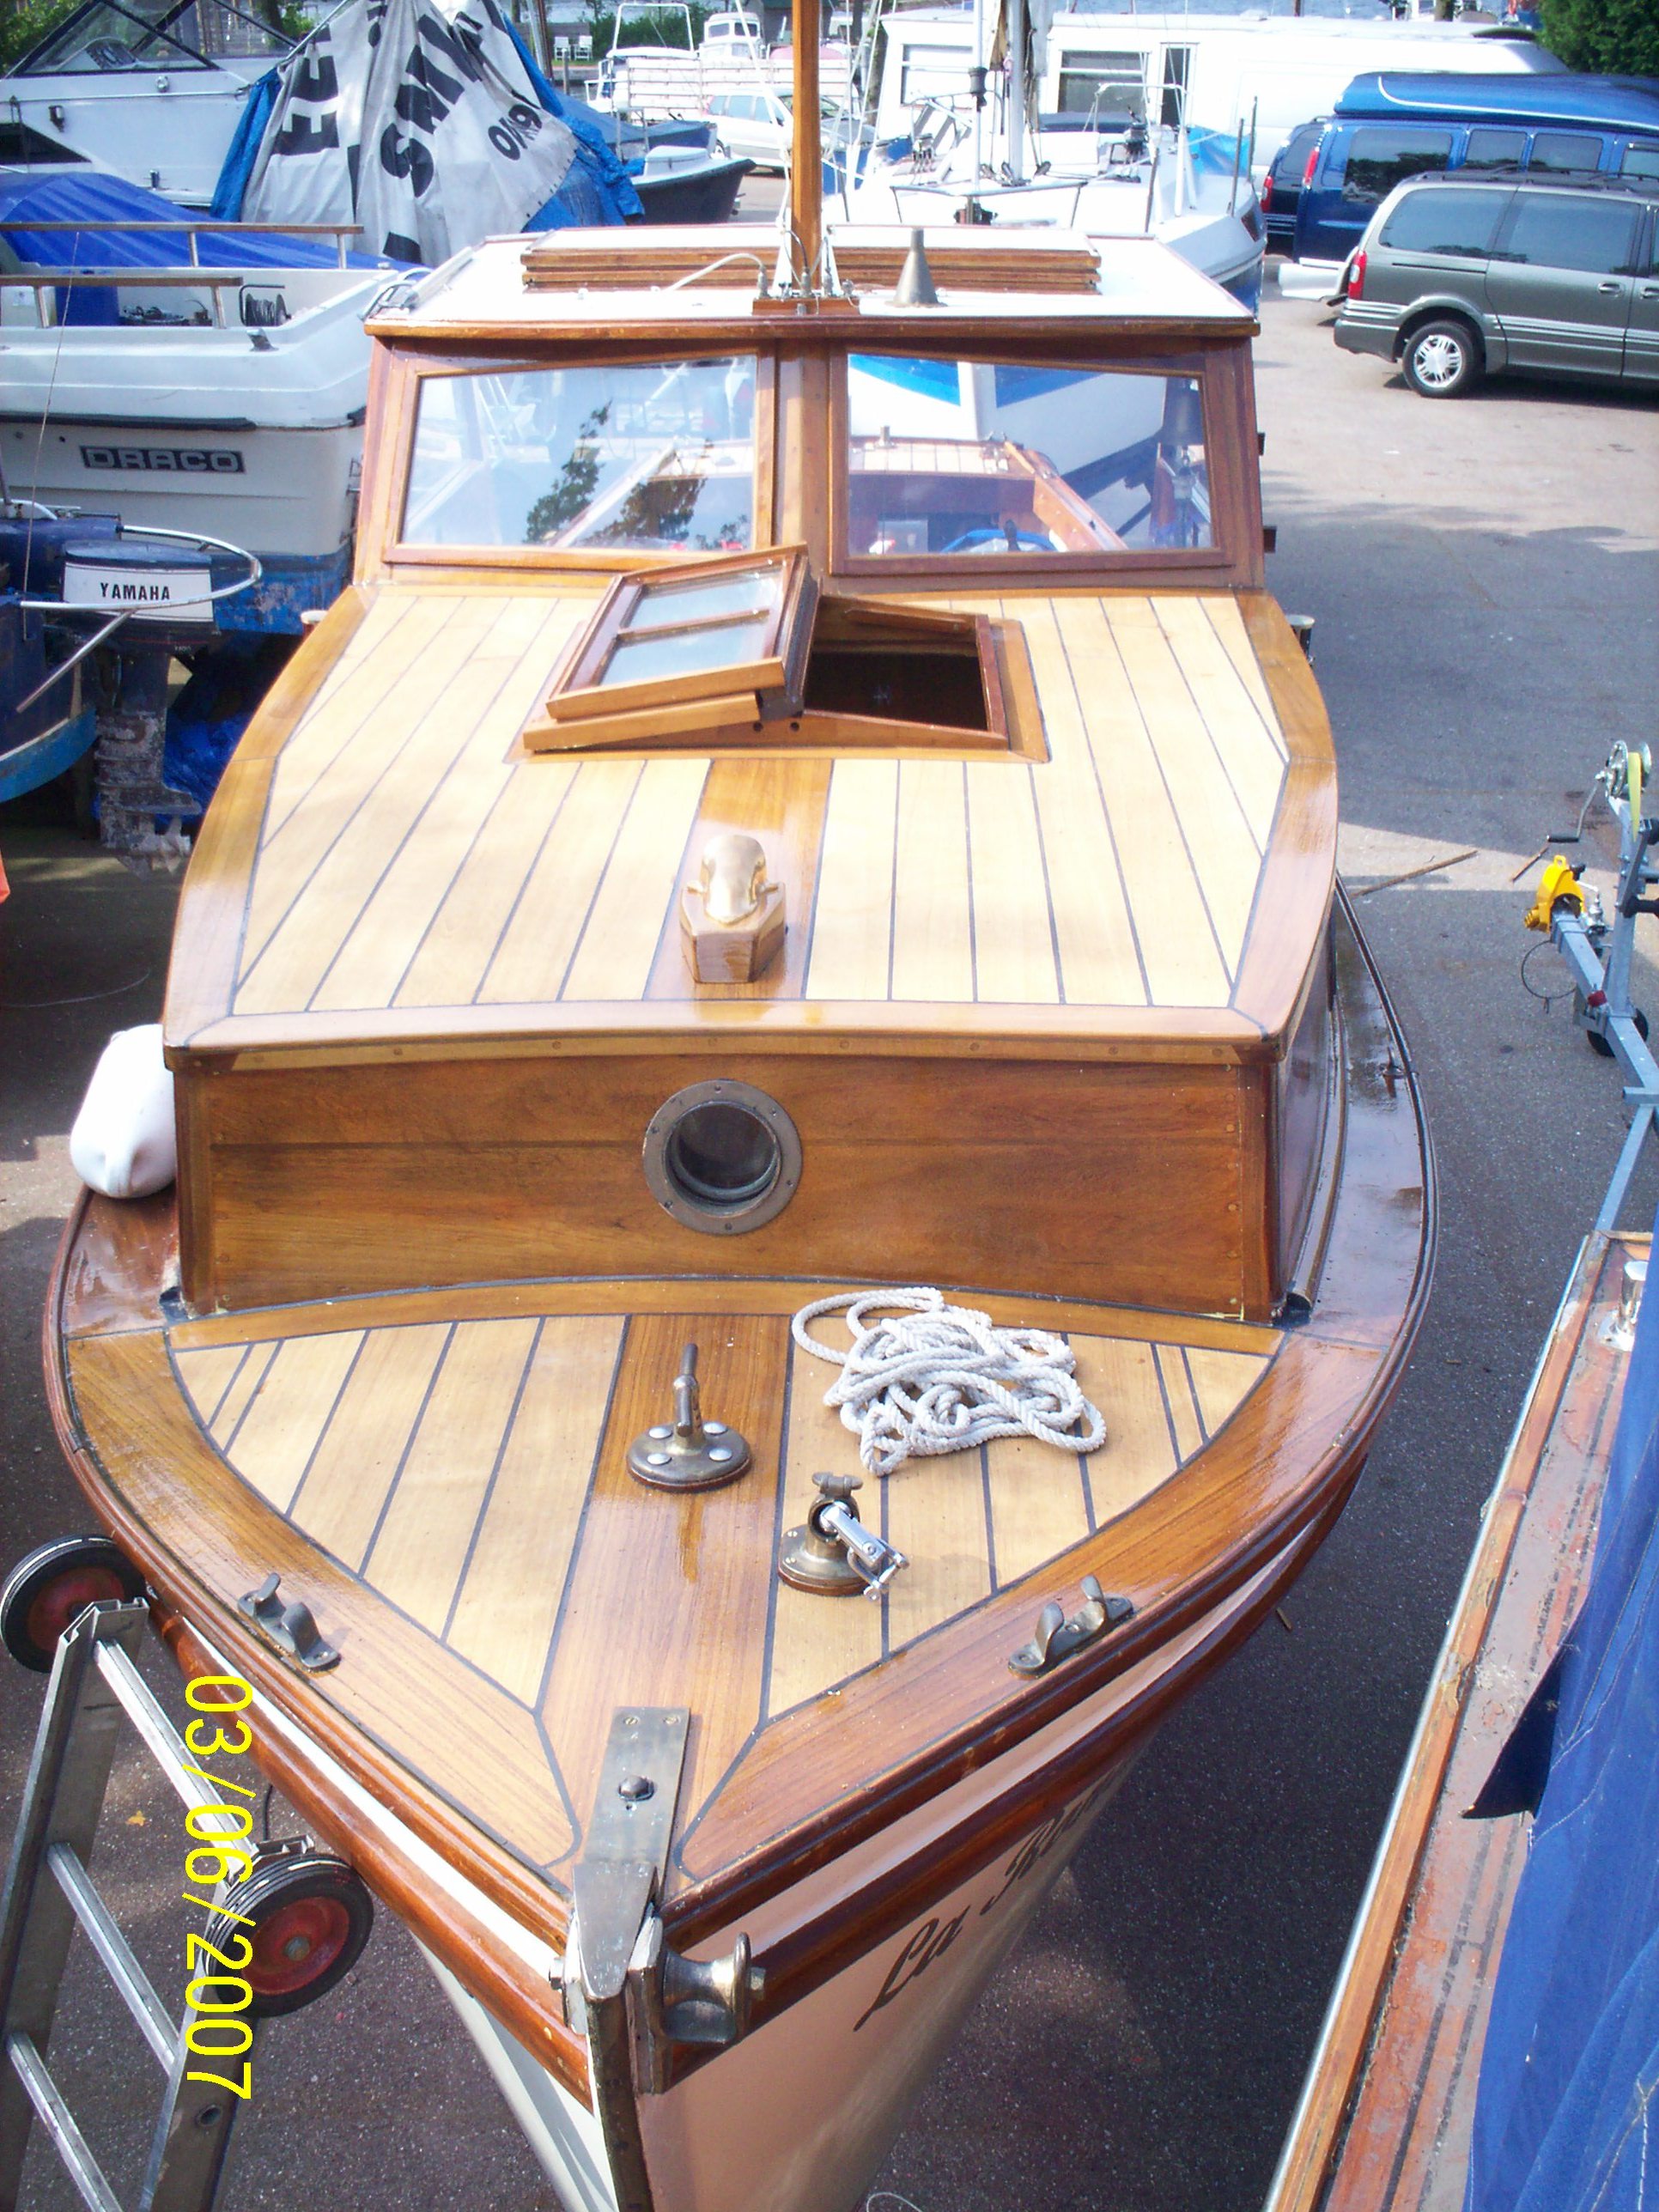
1557	887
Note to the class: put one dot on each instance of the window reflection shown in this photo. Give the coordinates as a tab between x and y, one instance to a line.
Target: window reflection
634	457
977	458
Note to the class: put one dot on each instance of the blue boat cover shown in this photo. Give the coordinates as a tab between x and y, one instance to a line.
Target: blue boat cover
1571	2057
603	192
238	166
89	196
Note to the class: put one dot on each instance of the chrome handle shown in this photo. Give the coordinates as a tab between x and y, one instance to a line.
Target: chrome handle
1611	285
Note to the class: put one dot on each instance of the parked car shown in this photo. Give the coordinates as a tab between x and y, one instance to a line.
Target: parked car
755	125
1281	188
1387	128
1456	279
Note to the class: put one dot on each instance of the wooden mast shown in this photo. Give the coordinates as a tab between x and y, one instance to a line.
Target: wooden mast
806	166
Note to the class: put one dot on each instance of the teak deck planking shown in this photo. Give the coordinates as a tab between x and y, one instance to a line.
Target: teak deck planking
399	827
450	1468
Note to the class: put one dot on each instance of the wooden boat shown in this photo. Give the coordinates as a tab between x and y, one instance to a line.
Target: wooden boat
1385	2118
1041	986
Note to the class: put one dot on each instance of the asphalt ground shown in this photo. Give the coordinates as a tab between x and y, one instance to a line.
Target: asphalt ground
1484	575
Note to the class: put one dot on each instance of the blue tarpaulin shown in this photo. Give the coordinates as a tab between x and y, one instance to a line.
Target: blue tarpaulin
610	196
93	197
1572	2056
238	167
90	196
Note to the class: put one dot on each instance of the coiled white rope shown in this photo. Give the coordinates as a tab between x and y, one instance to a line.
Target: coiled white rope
923	1378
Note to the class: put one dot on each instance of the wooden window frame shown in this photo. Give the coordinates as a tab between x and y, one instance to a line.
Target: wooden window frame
402	416
581	710
1226	558
743	711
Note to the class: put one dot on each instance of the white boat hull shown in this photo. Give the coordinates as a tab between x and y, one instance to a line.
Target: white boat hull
167	130
251	434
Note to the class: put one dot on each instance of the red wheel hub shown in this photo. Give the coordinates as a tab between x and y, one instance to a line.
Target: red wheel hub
68	1595
297	1943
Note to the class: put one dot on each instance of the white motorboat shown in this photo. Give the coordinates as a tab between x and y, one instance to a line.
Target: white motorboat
225	400
153	90
1106	185
1215	71
1123	166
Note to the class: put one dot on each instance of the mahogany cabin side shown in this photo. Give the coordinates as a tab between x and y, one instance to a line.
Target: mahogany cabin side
1052	1012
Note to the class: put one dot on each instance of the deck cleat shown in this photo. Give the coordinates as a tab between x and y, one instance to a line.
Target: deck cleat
687	1453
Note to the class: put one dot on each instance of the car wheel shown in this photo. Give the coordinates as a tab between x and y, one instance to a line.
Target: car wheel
1441	358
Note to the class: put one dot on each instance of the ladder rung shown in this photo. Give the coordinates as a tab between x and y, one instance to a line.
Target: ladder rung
56	2117
113	1947
166	1746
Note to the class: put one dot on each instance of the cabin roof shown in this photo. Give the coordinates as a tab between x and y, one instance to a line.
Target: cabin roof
394	866
505	285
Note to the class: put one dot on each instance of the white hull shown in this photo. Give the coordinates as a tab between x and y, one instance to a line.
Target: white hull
167	130
253	435
1199	216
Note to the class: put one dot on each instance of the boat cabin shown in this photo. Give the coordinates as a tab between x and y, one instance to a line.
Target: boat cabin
957	611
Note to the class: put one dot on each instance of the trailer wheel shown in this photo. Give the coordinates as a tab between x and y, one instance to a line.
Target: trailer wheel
1599	1044
311	1917
53	1584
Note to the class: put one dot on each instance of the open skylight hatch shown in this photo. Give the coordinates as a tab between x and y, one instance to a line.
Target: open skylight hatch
745	652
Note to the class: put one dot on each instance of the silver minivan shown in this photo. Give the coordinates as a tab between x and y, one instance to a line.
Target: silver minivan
1456	279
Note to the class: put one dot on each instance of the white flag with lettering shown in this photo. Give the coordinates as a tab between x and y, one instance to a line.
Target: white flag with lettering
415	118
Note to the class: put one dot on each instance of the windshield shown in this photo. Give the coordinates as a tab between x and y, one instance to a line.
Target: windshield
654	456
978	458
110	35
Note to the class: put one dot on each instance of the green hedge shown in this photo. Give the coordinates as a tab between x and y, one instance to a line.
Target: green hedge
1619	38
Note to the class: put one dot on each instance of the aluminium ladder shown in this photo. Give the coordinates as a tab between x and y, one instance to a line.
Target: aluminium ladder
94	1682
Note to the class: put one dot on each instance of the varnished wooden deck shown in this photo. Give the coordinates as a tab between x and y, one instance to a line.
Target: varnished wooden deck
467	1472
407	857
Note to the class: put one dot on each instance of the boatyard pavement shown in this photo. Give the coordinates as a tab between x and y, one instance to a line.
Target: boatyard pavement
1485	575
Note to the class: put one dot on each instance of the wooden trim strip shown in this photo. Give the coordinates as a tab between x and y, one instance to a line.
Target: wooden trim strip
691	1294
1215	1036
1298	878
1311	2147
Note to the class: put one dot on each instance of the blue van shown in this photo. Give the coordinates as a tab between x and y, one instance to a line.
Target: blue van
1386	127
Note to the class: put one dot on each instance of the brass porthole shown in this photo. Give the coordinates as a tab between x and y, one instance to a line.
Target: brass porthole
721	1157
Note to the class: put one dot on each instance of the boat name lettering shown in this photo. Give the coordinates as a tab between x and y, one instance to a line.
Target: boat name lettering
929	1942
175	460
1036	1848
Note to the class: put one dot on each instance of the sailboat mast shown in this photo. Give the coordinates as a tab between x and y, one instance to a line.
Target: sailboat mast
1017	90
806	166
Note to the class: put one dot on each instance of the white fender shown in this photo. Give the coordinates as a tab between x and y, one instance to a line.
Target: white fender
123	1143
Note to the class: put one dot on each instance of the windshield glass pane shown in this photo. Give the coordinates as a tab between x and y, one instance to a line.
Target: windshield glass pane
112	35
654	456
979	459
